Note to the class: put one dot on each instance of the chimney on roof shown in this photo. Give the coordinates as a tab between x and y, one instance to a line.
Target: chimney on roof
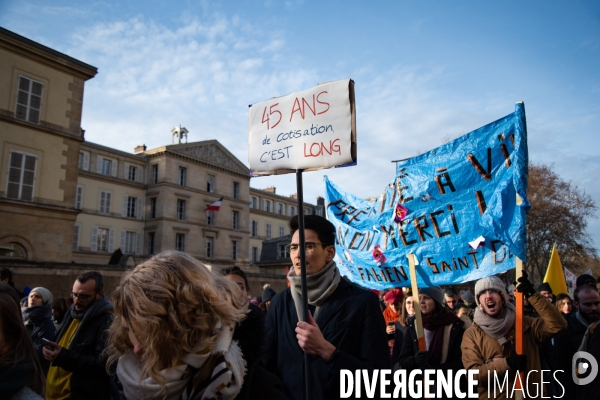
140	149
320	201
270	189
294	196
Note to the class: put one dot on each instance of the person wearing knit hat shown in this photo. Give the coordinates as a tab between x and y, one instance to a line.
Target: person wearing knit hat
546	290
37	317
443	332
391	313
267	294
488	345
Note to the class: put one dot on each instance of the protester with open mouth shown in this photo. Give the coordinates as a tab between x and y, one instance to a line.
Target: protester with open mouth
489	344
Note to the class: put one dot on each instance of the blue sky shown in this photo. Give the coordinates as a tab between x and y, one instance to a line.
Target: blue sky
424	72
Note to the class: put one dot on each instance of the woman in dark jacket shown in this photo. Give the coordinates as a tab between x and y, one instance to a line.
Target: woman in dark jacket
37	317
21	374
443	332
407	310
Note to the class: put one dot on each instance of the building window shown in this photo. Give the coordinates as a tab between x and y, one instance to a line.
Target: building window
281	208
102	240
253	228
84	161
128	242
210	217
210	183
182	176
105	202
283	252
292	211
152	208
106	167
181	210
21	176
236	220
29	100
306	211
268	231
236	190
180	242
154	177
151	236
318	211
234	250
281	231
253	202
79	197
267	206
210	247
76	238
255	255
131	206
132	173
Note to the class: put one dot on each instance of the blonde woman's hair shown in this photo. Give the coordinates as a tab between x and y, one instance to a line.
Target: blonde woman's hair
171	304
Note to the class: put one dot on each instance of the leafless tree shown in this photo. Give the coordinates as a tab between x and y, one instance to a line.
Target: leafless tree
559	214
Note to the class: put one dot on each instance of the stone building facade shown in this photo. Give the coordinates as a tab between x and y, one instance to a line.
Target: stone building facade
41	99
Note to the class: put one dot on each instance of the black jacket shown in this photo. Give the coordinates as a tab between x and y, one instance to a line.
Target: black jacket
258	382
41	327
84	356
350	319
453	362
410	347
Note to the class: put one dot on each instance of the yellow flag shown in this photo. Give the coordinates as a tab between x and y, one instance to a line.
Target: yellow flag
555	275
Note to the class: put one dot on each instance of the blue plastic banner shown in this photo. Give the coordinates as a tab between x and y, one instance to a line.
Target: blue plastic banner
460	209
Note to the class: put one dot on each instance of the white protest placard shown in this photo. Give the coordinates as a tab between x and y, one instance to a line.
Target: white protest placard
309	130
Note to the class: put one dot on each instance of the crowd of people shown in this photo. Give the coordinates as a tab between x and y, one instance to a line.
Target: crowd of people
173	329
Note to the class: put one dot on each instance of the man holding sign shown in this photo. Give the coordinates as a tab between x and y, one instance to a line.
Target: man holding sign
345	328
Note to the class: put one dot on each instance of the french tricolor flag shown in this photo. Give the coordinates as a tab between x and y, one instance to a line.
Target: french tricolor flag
215	206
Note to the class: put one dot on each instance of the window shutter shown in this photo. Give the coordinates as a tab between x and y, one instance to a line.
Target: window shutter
28	178
101	201
126	171
123	241
138	176
111	240
139	247
99	165
79	197
114	168
107	202
86	161
124	209
76	237
138	208
94	244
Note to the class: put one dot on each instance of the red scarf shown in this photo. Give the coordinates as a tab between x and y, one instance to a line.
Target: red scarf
436	324
389	315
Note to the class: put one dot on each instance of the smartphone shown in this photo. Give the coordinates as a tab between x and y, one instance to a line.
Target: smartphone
47	344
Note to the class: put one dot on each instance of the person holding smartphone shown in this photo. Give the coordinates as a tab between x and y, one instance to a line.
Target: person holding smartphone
37	317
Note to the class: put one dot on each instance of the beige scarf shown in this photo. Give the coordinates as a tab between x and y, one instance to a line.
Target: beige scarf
496	327
182	381
319	287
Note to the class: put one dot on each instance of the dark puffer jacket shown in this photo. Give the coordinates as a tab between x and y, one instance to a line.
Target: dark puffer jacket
38	321
84	356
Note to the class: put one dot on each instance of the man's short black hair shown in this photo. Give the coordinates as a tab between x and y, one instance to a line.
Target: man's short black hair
583	288
6	273
96	276
450	292
585	279
325	229
235	271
